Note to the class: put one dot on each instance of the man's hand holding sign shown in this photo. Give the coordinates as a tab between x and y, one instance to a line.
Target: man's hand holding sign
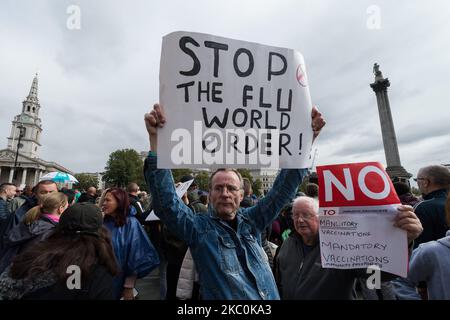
362	222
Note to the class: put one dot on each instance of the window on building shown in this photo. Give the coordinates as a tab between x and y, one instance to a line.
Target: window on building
28	108
23	132
34	109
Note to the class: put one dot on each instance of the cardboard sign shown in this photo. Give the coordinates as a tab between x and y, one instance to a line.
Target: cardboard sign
355	188
358	204
180	190
232	103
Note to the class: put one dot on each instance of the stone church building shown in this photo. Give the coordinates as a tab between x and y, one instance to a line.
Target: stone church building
19	162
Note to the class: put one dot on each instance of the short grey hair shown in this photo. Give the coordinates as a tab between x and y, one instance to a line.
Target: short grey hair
241	181
438	175
313	201
4	186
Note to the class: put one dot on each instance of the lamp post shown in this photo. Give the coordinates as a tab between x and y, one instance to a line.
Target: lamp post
21	135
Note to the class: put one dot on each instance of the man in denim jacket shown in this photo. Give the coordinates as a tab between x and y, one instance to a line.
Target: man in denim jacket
225	242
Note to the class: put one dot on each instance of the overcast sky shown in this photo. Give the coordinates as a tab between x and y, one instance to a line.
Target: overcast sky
96	83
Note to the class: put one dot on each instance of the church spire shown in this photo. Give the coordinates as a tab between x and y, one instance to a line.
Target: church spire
29	119
33	95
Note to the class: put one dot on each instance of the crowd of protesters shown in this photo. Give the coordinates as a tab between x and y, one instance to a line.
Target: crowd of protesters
53	231
221	243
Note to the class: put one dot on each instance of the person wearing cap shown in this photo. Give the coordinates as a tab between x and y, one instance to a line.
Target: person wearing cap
134	252
76	262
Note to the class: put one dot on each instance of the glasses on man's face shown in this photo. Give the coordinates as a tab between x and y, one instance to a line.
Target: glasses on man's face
306	217
229	188
418	178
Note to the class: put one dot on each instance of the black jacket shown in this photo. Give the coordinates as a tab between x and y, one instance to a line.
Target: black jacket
431	213
299	277
23	236
86	198
134	201
13	220
46	287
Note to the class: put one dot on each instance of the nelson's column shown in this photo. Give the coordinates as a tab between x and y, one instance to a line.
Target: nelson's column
394	167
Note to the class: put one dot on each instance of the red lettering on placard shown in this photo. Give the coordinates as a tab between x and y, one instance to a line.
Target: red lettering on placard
355	184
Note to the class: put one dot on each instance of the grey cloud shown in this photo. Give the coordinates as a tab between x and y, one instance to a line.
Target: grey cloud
101	79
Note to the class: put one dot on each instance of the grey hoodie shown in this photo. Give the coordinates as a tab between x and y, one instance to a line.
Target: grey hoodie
430	262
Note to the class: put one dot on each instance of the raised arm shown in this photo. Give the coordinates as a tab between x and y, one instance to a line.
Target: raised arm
284	187
282	192
178	217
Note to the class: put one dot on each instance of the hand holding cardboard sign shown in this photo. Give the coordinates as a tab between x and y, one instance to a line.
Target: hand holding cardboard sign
407	220
156	119
153	120
317	122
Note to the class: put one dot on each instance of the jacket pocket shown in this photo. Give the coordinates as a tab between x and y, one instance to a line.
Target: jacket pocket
229	260
255	247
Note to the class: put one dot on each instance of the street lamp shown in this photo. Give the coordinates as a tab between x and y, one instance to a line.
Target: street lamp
21	135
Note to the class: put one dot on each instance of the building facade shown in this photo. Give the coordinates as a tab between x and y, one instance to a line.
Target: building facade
19	162
266	176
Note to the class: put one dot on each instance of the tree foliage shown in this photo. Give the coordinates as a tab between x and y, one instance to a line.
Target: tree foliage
245	173
86	181
124	166
179	173
202	180
257	187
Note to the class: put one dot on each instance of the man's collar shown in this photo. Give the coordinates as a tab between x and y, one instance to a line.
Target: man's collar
434	193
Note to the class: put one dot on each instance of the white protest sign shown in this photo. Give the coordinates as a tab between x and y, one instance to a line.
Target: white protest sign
232	103
356	241
357	207
180	190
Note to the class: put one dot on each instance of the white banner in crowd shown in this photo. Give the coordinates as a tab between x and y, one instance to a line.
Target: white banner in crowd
232	103
180	190
357	209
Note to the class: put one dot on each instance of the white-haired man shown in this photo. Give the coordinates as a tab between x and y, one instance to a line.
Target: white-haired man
298	271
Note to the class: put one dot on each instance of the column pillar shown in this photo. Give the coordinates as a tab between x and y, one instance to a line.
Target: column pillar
24	175
11	175
394	167
35	180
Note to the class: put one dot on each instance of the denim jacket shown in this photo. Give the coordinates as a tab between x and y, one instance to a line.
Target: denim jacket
231	264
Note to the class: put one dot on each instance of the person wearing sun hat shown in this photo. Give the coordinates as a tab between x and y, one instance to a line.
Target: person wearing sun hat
76	262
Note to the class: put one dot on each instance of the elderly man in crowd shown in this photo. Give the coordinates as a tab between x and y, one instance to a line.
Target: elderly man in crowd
433	182
299	271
